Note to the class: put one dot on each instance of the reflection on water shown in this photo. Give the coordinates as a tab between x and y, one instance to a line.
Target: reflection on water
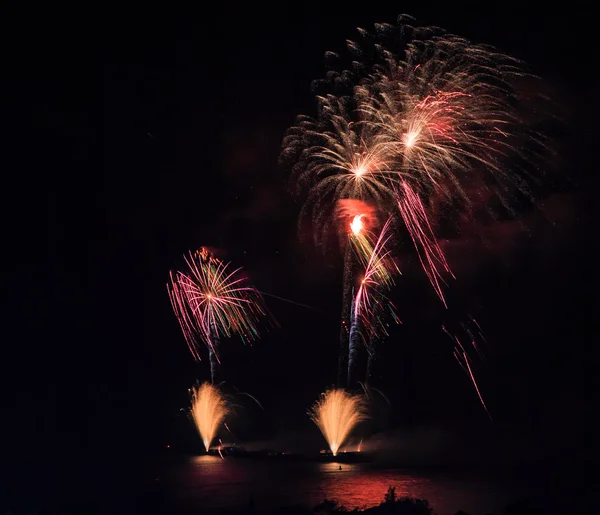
210	483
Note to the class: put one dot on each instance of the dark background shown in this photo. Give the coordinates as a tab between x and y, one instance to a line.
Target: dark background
137	138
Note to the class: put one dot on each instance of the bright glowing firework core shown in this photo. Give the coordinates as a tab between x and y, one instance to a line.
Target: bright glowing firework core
357	224
208	411
360	171
410	138
336	414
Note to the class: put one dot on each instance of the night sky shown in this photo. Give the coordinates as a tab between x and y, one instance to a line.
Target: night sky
165	137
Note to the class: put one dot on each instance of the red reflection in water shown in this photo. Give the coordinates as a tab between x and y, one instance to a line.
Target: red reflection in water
210	484
354	487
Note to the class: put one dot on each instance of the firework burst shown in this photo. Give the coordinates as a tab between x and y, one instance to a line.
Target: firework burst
419	123
336	160
212	300
429	116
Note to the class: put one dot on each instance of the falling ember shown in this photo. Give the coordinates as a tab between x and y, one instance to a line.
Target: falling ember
464	361
467	367
208	411
336	414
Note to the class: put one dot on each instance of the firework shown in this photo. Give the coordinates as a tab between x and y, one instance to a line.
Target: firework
208	410
354	345
336	161
354	217
336	414
420	123
462	356
361	244
368	269
379	268
212	300
367	303
428	117
416	221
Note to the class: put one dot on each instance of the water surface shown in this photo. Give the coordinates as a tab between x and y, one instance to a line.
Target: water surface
207	484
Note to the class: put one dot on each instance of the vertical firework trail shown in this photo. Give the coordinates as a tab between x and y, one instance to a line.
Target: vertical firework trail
213	350
371	347
354	341
352	215
357	248
349	332
349	274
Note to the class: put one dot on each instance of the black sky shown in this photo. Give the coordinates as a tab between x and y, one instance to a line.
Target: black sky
152	138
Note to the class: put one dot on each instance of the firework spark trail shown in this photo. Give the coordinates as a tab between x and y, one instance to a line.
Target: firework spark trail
464	360
378	272
289	301
473	338
208	410
470	372
430	253
212	300
336	414
213	349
